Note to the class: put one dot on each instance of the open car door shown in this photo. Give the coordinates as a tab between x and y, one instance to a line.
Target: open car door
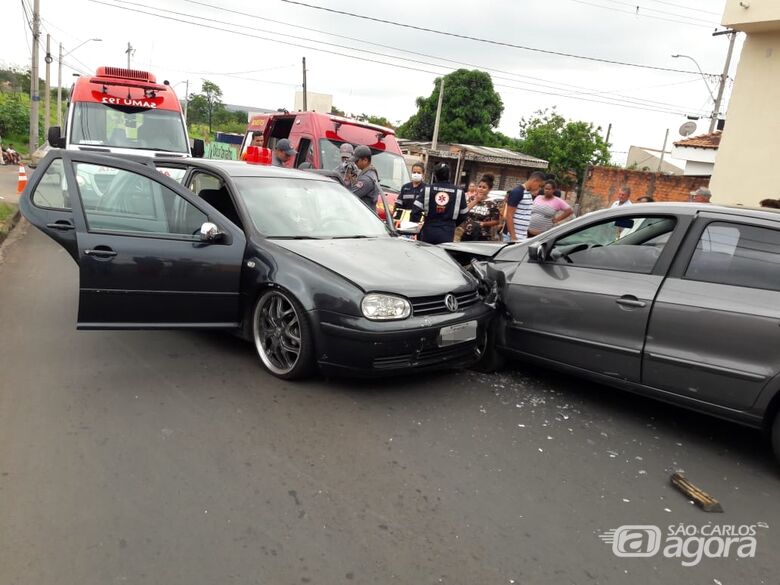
150	253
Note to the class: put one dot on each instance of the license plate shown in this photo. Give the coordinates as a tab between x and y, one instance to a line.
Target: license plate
458	333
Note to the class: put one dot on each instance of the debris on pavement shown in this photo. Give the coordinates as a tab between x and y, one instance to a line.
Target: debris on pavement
699	497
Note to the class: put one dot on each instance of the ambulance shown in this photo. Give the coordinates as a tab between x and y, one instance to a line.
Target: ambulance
124	111
317	137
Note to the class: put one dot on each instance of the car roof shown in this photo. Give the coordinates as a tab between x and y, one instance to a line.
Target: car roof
696	208
235	168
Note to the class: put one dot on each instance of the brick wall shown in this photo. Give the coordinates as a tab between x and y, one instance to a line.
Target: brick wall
603	184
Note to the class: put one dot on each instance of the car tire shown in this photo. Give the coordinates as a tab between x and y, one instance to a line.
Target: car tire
490	359
282	335
775	436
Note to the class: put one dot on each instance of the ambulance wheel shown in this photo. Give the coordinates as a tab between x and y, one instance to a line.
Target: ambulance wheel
282	335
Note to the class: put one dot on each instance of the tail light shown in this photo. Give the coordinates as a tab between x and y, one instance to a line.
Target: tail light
258	155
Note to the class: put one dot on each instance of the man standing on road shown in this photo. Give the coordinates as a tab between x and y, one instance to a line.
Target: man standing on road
283	151
444	206
518	206
366	186
624	197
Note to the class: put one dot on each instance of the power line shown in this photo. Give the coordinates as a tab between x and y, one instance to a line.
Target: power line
533	80
488	41
614	98
683	7
367	60
637	10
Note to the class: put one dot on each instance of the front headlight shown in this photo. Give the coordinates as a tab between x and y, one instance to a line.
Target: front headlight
380	307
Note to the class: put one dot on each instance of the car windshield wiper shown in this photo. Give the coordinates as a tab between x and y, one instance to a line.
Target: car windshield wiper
293	238
356	237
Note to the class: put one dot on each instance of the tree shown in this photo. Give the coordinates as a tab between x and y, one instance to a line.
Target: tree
471	110
337	112
203	106
567	145
378	120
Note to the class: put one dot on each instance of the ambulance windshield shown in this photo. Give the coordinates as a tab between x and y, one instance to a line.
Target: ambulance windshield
390	167
97	124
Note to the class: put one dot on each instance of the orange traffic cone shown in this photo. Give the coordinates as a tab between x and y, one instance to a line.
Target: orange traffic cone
22	179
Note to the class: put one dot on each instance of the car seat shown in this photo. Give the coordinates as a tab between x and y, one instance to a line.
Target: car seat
220	200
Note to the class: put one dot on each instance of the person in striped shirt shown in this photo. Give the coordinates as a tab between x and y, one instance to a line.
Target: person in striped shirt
518	206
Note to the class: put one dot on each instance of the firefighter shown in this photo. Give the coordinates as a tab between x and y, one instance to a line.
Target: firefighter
444	207
410	192
347	169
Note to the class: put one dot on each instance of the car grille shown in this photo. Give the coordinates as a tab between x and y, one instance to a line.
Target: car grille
435	305
427	357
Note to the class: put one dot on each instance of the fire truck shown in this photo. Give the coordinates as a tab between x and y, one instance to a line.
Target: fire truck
124	111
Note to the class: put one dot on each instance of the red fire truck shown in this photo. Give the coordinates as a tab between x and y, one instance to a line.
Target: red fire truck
317	138
124	111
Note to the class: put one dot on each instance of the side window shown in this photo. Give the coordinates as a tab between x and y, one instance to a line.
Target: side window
202	181
305	154
175	173
737	255
52	191
134	203
628	244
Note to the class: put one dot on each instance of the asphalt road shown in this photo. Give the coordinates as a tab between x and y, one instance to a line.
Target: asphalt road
172	458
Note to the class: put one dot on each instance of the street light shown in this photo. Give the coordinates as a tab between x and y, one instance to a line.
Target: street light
704	77
59	78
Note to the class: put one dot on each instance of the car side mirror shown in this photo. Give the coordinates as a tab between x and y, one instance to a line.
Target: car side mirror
537	253
55	137
209	232
198	148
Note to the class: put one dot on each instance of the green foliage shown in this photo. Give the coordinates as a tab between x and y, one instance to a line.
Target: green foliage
568	145
378	120
205	105
336	112
471	110
14	114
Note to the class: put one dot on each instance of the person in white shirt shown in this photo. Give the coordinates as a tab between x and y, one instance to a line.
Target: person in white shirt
624	197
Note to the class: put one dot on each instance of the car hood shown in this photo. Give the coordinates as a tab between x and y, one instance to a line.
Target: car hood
481	249
393	265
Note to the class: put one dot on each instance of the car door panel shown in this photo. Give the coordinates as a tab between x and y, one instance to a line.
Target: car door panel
138	267
575	316
714	341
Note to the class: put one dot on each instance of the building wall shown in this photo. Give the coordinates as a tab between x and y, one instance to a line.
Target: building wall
745	168
643	158
760	15
603	183
694	167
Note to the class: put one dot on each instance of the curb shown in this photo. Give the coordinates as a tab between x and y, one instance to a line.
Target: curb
8	225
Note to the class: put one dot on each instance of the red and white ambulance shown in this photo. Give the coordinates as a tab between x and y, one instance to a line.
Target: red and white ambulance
124	111
317	137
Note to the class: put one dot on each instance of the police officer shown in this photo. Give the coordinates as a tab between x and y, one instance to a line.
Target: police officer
444	206
366	186
347	169
410	192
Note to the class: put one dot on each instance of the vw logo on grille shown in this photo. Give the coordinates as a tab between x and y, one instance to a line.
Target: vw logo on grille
451	303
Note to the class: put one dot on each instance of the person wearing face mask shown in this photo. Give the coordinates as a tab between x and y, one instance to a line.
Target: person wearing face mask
409	193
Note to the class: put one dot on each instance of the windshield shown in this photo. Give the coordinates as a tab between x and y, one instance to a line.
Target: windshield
391	167
305	208
120	127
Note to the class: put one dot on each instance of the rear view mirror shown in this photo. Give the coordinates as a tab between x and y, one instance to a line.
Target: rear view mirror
209	232
198	148
536	253
55	137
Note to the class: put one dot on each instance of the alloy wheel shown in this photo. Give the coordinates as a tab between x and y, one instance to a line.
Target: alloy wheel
277	332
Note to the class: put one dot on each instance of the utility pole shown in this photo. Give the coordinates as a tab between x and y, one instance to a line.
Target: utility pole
723	78
47	95
59	89
435	142
609	131
305	105
186	99
130	51
663	151
34	81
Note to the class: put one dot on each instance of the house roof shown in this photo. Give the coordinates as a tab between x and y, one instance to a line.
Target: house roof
711	140
486	154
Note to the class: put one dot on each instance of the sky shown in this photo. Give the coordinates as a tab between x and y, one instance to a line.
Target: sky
253	52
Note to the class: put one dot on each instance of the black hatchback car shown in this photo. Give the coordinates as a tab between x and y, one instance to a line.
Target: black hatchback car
290	260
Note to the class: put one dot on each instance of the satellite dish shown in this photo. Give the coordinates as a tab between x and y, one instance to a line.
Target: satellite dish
688	128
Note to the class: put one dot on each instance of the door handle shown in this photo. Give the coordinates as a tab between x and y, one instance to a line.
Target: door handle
63	225
100	252
630	301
